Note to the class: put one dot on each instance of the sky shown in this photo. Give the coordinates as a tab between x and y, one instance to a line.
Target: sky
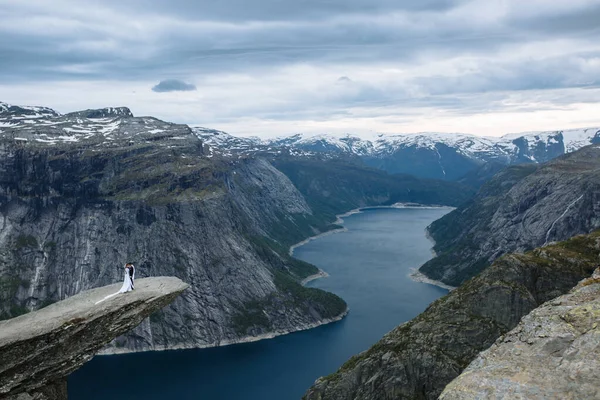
275	67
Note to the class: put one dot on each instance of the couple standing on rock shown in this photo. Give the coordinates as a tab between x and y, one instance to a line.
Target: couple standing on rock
127	282
129	278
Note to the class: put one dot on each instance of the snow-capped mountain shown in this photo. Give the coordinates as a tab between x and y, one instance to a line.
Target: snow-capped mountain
433	155
25	112
101	127
449	156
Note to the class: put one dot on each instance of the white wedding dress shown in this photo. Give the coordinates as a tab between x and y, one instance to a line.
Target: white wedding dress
127	282
127	285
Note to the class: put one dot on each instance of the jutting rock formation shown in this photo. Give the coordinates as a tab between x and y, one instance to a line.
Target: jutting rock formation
554	353
40	349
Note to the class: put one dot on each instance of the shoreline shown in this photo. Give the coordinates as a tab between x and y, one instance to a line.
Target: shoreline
318	275
417	276
246	339
414	275
310	239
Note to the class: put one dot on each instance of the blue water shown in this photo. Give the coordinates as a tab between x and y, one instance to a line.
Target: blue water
368	267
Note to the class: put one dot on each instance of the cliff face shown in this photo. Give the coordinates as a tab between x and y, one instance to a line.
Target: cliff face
419	358
521	208
40	349
81	196
554	353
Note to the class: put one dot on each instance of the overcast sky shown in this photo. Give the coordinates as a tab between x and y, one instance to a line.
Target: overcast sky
269	67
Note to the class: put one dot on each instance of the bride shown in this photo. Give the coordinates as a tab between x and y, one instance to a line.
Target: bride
129	278
127	282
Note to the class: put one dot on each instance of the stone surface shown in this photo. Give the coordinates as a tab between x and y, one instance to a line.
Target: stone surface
419	358
40	349
521	208
554	353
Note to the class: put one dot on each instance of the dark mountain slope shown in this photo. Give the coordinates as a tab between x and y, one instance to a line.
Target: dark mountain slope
333	186
521	208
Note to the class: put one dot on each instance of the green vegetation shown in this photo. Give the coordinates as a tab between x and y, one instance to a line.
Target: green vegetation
277	253
157	317
50	246
328	304
251	316
161	176
27	241
332	187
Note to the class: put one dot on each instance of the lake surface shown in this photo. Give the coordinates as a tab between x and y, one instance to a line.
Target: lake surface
368	266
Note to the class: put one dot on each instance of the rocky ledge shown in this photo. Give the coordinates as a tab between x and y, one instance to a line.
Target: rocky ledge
40	349
554	353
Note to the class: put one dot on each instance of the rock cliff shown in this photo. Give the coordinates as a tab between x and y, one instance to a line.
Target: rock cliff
554	353
80	196
419	358
521	208
40	349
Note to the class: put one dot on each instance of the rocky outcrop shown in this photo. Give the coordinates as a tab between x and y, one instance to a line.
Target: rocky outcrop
107	112
554	353
40	349
521	208
419	358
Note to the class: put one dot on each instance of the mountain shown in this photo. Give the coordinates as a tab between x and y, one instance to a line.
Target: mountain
522	207
81	196
554	353
9	112
419	358
447	156
83	193
332	186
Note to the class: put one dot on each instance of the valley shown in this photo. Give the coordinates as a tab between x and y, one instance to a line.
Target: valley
82	192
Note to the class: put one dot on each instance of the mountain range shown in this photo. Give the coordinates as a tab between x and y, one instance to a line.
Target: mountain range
446	156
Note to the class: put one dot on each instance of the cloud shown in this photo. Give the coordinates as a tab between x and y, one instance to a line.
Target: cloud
295	63
173	85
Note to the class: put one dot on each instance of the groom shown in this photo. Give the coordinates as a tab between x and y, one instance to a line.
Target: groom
131	270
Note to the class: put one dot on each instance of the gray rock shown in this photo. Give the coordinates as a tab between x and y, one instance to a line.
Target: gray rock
40	349
554	353
103	113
